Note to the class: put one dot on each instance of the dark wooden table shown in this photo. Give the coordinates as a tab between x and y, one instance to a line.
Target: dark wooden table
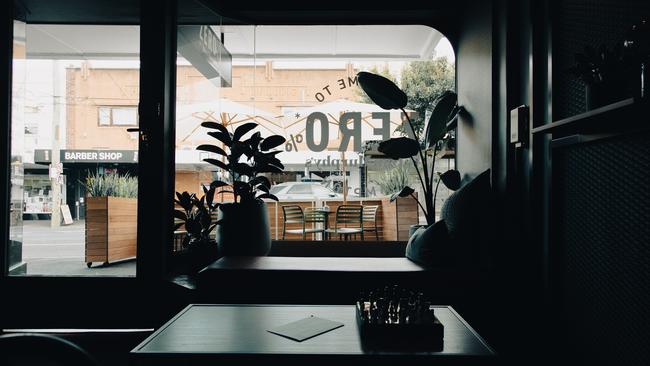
236	334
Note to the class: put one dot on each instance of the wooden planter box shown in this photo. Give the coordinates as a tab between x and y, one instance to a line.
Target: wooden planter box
111	229
393	218
398	216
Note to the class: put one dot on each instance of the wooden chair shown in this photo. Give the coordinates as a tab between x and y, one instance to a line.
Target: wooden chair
349	221
293	214
370	219
318	219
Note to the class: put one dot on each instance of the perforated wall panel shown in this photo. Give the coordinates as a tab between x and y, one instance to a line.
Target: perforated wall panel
601	248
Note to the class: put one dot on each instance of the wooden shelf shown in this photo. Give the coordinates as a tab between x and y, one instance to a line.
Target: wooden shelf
627	115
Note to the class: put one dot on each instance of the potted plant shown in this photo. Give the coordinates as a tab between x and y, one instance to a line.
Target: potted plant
195	216
602	72
243	226
637	56
387	95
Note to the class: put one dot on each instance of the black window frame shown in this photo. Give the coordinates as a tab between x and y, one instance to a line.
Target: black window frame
118	302
142	294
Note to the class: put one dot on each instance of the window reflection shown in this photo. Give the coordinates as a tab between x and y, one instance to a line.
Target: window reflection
300	82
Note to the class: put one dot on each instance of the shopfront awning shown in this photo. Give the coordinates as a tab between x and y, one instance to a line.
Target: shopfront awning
44	156
397	42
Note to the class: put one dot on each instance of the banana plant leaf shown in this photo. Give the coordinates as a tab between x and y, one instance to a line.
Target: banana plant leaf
451	179
399	147
382	91
405	192
441	114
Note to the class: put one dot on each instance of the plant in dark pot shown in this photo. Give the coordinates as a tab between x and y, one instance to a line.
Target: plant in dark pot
195	217
637	57
602	72
243	226
387	95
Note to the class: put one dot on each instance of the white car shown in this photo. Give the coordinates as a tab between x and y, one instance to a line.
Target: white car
303	191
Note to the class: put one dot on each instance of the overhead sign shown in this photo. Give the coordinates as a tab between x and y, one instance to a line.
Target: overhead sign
202	47
88	156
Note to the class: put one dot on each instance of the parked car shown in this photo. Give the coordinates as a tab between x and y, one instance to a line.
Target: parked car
303	191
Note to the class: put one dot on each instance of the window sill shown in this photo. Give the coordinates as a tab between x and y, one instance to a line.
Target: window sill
317	248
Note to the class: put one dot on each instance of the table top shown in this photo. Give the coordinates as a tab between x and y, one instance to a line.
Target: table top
242	329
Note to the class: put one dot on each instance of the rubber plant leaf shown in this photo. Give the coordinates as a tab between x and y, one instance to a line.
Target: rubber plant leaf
212	149
254	141
222	136
271	142
269	196
217	184
242	130
215	126
185	200
218	163
180	215
261	180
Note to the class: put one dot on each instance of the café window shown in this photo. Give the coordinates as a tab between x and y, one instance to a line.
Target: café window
287	78
118	116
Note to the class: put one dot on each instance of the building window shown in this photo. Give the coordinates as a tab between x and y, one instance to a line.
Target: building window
118	116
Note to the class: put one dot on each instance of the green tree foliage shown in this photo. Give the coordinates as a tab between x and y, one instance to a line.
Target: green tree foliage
423	82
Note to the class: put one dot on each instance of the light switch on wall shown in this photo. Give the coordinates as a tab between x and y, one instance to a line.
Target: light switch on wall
519	126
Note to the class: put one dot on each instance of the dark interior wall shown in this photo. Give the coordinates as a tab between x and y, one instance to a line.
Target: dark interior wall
580	23
598	222
474	85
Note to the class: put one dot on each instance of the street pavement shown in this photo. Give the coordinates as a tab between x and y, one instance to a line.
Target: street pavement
60	252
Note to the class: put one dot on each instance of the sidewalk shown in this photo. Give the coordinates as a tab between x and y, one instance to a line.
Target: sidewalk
60	252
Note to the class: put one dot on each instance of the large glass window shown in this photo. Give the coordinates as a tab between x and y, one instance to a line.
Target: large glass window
74	164
300	82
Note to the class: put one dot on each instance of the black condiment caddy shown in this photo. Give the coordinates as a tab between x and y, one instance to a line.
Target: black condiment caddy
395	317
